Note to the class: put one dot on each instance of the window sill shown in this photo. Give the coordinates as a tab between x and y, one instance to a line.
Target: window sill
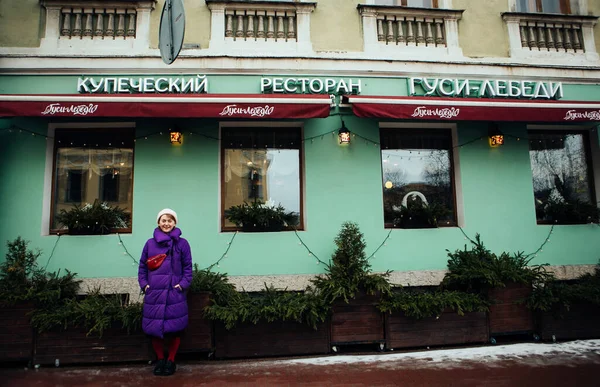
114	231
440	225
259	230
550	223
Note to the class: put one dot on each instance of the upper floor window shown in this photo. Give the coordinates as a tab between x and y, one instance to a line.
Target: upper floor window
261	166
548	6
92	166
562	177
410	3
418	178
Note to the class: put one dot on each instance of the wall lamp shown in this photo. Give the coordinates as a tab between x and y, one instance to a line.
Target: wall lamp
496	136
344	135
176	137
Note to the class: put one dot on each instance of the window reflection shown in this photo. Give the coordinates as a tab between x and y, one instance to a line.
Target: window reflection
417	168
261	165
84	175
560	167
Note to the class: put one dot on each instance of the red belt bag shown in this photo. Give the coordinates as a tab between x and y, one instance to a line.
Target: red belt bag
154	262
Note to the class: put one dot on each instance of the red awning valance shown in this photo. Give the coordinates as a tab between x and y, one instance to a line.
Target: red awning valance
251	106
469	109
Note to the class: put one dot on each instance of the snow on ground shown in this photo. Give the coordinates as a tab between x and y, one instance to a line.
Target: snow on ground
487	354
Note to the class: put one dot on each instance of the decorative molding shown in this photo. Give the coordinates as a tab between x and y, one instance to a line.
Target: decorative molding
266	27
96	27
408	32
564	39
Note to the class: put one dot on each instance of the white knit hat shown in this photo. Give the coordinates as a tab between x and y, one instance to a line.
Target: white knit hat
165	212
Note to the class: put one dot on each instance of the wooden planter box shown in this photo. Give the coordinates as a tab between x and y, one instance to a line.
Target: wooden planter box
508	314
198	336
278	338
582	321
449	329
16	333
358	322
72	346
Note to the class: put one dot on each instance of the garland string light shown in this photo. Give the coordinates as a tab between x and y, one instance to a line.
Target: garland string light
191	132
224	255
546	240
381	245
52	252
543	244
310	253
126	252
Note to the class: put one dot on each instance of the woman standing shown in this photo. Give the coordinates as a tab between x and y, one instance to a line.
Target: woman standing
165	313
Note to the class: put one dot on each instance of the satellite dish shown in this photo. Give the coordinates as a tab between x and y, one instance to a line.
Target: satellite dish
172	30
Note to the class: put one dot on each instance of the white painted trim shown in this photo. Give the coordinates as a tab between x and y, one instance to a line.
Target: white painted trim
458	200
458	102
48	170
162	99
233	46
53	43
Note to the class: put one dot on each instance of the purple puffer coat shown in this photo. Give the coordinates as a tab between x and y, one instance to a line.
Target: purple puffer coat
165	307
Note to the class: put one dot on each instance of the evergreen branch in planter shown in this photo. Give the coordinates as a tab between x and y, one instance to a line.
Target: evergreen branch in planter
22	280
91	219
215	283
419	304
259	216
417	214
558	296
478	270
96	312
350	271
270	305
571	212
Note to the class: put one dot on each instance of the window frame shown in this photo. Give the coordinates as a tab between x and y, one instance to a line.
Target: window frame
301	168
403	3
459	220
50	172
564	5
592	149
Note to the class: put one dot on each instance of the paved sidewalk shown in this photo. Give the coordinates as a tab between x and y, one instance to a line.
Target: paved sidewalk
569	364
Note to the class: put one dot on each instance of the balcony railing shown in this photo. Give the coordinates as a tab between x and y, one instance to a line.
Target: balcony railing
541	35
405	27
98	22
260	25
97	26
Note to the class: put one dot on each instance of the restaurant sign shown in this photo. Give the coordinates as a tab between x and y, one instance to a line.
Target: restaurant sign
310	86
487	88
111	85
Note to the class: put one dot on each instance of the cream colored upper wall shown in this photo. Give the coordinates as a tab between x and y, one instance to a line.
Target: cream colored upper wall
336	26
20	23
197	23
481	31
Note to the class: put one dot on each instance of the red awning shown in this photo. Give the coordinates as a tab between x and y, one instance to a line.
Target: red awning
469	109
157	105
